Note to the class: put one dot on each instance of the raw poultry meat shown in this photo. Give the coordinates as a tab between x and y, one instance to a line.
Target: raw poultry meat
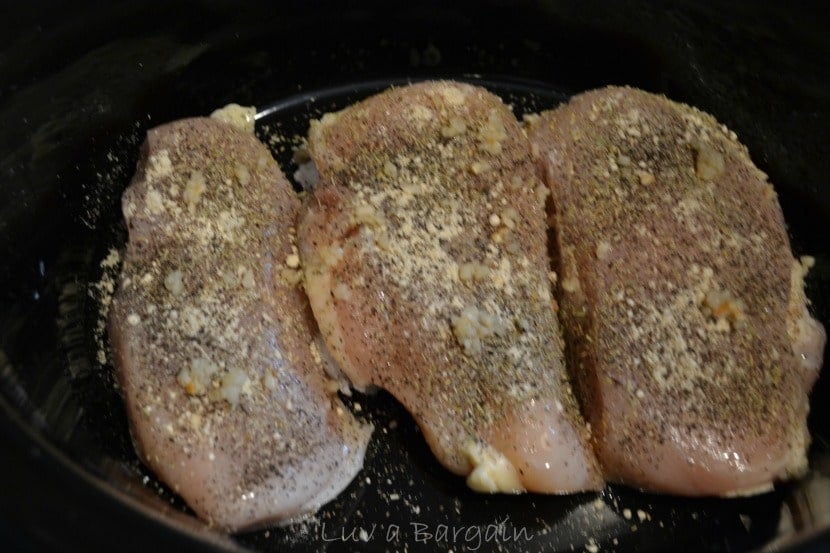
425	256
214	340
685	316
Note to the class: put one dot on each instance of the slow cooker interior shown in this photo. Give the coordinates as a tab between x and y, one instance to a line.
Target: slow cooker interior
81	85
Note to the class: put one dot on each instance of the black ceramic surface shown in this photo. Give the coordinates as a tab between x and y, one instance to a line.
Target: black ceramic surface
79	87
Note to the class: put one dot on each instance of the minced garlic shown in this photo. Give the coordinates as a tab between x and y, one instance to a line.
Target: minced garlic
456	127
723	307
492	472
241	117
709	163
492	133
473	326
470	272
194	189
174	282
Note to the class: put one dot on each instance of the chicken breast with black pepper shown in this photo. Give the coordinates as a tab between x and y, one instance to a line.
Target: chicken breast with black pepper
214	340
424	252
683	306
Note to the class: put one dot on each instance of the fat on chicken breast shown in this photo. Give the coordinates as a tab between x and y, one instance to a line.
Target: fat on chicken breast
425	257
684	311
214	340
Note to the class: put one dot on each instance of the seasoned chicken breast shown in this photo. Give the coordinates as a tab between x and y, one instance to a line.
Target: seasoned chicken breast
683	307
214	341
424	252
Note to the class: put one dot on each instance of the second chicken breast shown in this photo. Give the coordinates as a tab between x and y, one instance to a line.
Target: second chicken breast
425	257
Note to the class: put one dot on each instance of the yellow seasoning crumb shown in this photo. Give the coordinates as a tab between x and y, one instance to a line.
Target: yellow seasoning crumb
480	167
293	261
455	127
243	175
709	163
570	284
492	133
154	201
724	308
473	326
603	249
646	178
174	282
194	189
341	292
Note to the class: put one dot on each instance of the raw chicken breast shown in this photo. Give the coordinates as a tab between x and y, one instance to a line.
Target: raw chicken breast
214	340
683	307
424	252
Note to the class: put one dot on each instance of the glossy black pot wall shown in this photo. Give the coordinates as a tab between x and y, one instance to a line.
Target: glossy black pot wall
81	84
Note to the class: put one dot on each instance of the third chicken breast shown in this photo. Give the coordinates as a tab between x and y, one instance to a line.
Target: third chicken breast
683	305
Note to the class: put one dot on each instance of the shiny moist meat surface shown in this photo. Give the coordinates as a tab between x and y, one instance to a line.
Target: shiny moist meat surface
425	256
683	306
213	338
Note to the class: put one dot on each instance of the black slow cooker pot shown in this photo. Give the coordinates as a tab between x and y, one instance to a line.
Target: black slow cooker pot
81	84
